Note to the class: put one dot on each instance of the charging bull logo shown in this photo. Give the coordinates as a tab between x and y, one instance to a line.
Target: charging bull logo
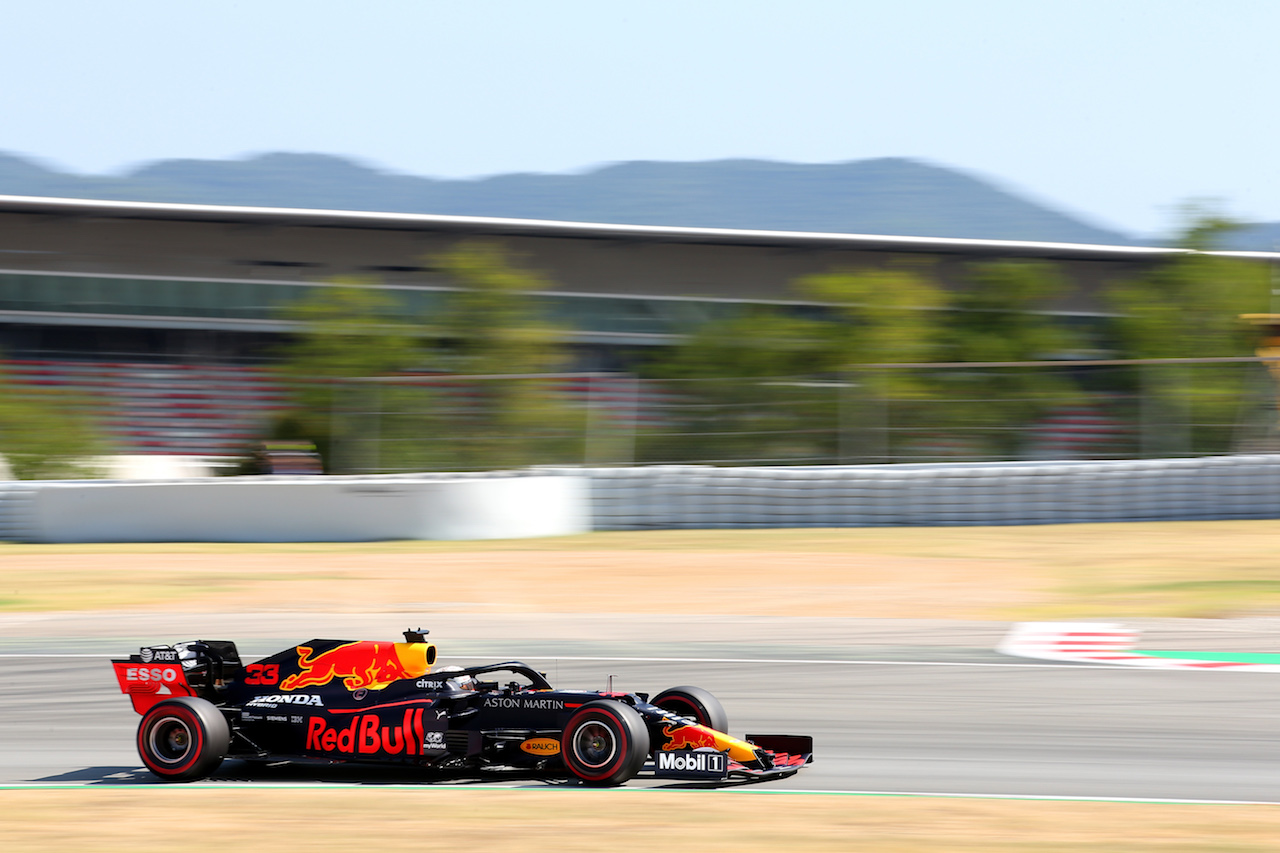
688	737
370	665
700	737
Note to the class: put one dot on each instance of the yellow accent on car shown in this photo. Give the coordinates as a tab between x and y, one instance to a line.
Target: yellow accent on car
541	746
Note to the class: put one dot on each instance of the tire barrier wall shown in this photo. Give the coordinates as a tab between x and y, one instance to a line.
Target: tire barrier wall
301	509
16	505
562	502
937	494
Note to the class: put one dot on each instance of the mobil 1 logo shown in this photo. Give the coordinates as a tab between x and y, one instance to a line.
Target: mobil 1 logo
691	764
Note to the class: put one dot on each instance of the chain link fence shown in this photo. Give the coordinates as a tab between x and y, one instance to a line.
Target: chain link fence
881	414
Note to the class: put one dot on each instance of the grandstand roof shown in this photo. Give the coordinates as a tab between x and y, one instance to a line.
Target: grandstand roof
499	226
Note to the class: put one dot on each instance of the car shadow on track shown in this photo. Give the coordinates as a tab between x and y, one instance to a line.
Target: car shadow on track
298	772
101	776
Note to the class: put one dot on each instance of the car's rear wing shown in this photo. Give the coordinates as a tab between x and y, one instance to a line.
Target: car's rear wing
149	683
192	668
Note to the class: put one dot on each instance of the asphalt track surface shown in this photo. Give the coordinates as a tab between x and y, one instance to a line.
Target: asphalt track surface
907	718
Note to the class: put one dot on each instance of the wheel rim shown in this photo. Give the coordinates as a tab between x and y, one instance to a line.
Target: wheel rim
170	740
594	744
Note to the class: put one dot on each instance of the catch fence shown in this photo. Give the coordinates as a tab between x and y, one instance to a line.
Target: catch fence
872	415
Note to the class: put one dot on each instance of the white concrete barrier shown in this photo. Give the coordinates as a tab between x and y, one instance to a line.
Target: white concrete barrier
271	509
553	502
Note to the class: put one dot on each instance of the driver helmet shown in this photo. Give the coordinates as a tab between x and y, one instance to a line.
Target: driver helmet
462	681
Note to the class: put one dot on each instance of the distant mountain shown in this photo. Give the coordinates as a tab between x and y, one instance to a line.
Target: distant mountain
1258	237
885	196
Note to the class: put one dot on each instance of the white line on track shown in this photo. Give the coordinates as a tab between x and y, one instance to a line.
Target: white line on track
757	661
314	786
751	661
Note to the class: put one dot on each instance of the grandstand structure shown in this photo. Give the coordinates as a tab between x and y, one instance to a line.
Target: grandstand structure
166	313
187	408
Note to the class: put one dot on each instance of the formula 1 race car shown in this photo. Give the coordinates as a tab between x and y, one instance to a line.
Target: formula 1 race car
380	702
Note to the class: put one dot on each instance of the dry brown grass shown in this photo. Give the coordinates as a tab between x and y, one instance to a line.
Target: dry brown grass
1167	569
1194	569
173	818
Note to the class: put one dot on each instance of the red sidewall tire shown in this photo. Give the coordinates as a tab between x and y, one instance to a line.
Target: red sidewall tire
183	739
695	703
605	743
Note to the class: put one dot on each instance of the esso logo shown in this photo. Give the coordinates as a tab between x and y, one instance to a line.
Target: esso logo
151	673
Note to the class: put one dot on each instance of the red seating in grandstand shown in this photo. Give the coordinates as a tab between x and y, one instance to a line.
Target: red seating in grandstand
621	398
161	407
1079	432
213	409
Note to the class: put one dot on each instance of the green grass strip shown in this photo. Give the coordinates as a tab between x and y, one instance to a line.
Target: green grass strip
1231	657
733	789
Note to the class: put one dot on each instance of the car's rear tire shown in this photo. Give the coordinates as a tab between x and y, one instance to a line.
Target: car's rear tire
695	703
605	743
183	739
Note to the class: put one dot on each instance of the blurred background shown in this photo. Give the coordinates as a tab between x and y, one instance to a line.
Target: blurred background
458	238
505	352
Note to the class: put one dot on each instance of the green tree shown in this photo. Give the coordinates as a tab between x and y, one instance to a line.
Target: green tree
1190	307
492	316
890	316
774	386
778	387
1000	315
749	390
761	341
46	434
353	338
495	331
379	390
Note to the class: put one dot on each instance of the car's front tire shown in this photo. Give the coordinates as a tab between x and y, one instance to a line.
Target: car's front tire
183	739
605	743
696	704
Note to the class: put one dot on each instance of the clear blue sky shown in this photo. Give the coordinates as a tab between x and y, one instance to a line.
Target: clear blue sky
1118	111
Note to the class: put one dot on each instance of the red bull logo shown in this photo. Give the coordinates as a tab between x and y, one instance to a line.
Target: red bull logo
370	665
688	737
367	735
698	737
